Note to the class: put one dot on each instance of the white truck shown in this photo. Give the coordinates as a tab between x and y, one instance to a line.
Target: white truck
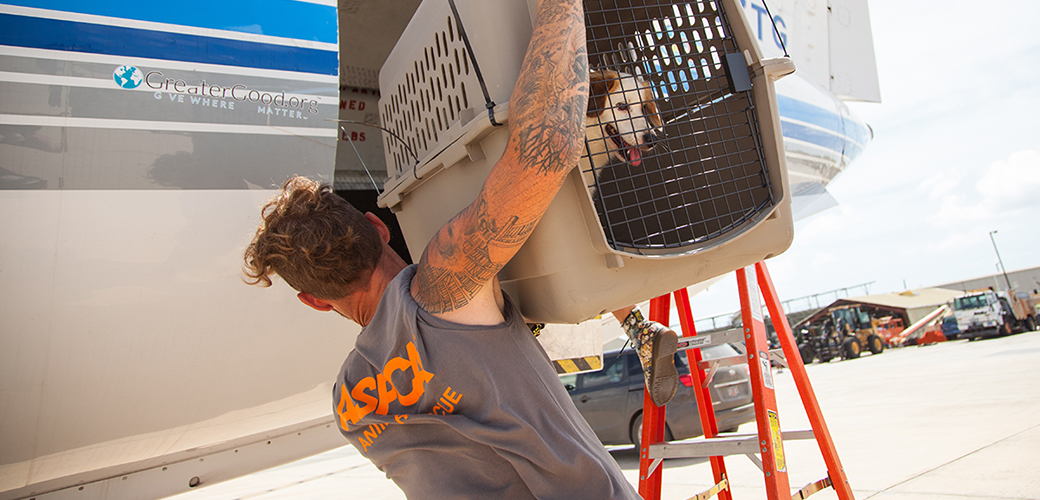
983	313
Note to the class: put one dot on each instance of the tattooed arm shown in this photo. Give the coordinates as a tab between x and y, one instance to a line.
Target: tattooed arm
455	276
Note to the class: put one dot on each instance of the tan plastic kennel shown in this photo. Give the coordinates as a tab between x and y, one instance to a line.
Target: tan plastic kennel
710	196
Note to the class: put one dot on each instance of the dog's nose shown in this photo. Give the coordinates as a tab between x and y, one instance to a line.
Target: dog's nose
649	138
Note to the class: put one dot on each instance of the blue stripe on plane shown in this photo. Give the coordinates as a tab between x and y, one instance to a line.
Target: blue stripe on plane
802	111
814	136
281	18
833	141
33	32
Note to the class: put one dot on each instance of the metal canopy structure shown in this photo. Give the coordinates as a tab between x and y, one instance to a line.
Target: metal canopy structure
914	304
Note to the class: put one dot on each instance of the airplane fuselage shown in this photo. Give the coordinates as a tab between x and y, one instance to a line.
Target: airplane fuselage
137	145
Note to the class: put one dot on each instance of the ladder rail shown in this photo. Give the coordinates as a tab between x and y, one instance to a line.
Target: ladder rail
801	378
653	419
767	418
694	358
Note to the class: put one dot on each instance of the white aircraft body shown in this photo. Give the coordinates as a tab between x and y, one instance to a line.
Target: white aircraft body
138	142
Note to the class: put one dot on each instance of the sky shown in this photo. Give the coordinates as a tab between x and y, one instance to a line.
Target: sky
955	155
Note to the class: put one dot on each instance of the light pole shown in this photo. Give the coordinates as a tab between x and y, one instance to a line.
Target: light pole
1000	260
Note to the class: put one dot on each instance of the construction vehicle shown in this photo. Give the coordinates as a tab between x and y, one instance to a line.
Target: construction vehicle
844	331
986	313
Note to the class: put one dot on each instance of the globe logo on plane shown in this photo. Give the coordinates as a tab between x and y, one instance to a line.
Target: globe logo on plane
128	77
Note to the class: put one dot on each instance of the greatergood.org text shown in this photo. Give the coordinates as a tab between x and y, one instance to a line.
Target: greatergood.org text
238	92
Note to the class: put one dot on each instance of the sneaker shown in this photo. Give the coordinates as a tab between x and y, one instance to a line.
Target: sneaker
656	345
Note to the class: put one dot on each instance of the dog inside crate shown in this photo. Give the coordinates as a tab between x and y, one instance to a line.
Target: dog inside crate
672	157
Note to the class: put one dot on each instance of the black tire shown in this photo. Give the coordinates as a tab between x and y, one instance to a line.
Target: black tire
808	352
875	344
850	348
1030	324
636	432
1006	329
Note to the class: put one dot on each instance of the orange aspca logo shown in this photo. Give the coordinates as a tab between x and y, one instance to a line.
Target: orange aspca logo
445	406
376	393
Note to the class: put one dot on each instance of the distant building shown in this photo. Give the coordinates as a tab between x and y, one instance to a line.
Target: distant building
1025	280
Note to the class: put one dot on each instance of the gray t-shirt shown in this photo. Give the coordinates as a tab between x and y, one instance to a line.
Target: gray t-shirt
458	411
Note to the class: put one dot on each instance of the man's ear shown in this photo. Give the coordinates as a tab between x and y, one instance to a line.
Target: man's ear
314	302
384	232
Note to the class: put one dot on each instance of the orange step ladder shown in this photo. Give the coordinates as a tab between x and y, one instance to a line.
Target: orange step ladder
768	442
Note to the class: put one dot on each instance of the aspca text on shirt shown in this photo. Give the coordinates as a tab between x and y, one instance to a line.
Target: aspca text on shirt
375	394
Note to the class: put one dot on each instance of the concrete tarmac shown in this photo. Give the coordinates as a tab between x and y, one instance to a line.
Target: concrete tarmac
951	421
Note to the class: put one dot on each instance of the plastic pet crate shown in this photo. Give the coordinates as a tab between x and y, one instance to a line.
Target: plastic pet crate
706	193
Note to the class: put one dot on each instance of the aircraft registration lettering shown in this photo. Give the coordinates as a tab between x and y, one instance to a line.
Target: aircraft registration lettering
767	26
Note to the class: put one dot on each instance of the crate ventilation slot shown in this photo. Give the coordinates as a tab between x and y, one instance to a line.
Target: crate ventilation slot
431	98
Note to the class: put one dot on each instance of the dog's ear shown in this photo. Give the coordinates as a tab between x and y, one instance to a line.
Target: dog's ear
600	83
650	109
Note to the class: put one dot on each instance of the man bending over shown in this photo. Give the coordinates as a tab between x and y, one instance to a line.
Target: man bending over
447	391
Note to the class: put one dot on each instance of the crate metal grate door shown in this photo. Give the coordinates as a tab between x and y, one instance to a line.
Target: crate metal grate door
703	175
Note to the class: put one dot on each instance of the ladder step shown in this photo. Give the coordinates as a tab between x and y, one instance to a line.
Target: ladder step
735	444
731	336
710	492
775	355
811	488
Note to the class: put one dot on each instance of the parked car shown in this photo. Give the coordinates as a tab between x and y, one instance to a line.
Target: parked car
950	328
611	399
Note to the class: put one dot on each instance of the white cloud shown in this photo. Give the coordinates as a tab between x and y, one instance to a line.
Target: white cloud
942	185
824	225
1012	183
995	193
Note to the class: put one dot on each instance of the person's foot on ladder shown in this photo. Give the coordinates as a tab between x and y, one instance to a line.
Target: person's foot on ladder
656	345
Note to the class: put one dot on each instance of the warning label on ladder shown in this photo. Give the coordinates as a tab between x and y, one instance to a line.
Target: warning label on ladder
767	374
778	442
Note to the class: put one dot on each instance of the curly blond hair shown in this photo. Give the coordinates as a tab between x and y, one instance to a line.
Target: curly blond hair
316	241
